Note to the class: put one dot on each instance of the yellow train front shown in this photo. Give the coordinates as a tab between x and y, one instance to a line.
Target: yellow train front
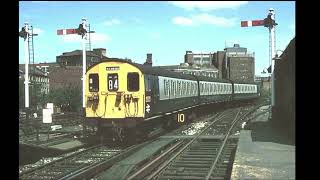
114	95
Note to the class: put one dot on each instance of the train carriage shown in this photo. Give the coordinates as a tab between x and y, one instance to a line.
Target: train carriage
244	91
122	94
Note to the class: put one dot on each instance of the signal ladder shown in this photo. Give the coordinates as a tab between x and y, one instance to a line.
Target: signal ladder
30	45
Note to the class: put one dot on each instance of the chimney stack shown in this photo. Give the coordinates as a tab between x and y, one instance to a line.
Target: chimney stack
101	52
149	59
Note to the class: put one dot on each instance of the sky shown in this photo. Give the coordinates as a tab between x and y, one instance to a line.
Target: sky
167	29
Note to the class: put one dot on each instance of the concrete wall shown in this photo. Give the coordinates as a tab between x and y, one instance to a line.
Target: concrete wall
283	116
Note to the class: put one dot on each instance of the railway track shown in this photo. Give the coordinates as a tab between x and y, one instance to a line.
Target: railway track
79	165
199	158
191	160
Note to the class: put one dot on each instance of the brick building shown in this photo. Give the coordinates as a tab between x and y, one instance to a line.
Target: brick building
38	84
235	63
202	59
36	78
193	70
241	68
65	76
74	58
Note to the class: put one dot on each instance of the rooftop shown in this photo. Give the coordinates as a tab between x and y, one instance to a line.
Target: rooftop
32	70
78	53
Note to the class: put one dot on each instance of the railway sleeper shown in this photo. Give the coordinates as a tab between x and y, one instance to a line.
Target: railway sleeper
181	177
219	172
196	155
192	169
196	162
50	172
184	174
212	153
196	159
192	165
217	178
37	178
206	144
205	148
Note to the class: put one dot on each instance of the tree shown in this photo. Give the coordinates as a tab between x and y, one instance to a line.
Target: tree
67	98
21	94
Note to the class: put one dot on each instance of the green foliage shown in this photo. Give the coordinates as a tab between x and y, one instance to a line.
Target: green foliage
21	94
68	98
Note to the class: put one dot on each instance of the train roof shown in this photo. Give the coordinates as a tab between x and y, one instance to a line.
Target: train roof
163	72
149	69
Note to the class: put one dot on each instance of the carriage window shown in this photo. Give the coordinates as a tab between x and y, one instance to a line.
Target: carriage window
179	88
148	82
133	81
93	82
113	84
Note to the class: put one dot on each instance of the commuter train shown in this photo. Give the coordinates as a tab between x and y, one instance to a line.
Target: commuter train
122	95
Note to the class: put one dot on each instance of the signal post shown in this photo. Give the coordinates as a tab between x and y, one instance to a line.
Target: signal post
270	23
83	32
24	33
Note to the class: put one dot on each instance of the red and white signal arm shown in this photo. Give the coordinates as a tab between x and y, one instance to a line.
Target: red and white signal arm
252	23
66	31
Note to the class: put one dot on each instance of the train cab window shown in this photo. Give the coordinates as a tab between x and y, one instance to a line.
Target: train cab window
93	82
133	81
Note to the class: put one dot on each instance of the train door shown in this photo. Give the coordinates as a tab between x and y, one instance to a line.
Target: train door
150	94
